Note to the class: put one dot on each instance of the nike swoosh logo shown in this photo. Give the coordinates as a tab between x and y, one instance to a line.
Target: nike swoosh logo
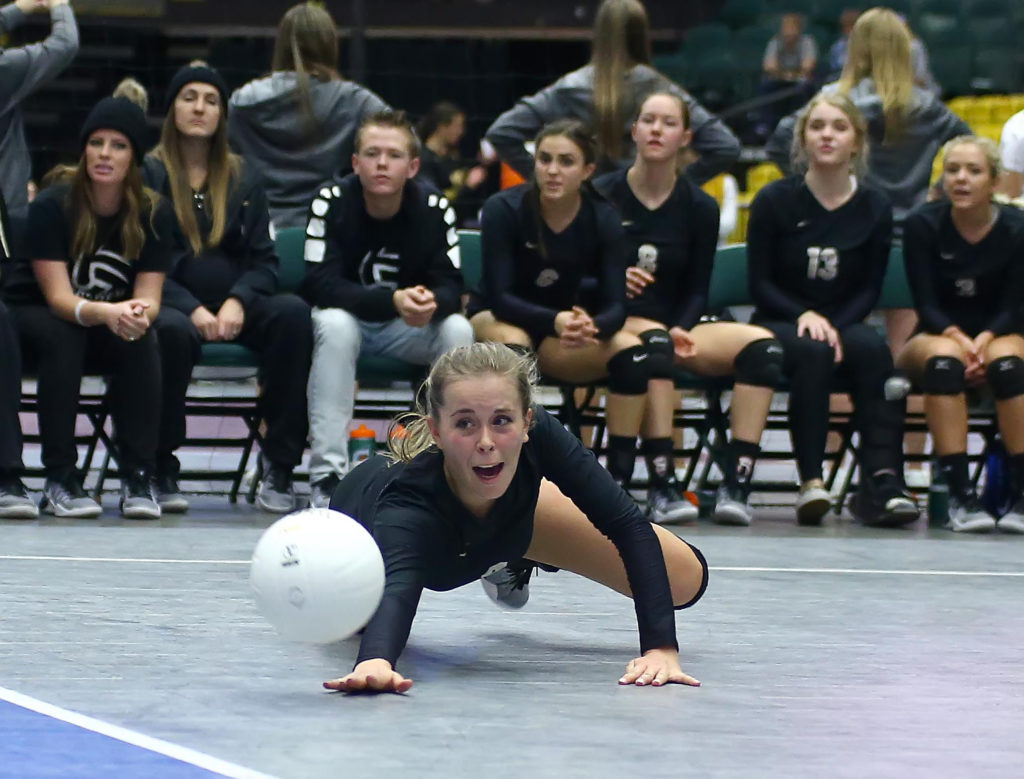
803	223
639	357
627	222
946	255
531	245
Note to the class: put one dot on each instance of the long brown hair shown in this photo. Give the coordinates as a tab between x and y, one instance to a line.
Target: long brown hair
222	170
579	134
879	49
139	201
307	44
463	362
621	40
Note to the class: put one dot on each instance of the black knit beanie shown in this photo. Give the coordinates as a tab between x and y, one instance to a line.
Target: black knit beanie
202	74
121	114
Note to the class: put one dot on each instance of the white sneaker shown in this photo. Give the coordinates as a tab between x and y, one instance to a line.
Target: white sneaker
665	505
1013	520
967	515
812	503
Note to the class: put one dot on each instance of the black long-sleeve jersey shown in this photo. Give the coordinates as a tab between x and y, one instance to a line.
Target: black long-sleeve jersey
674	242
803	257
531	273
430	540
976	287
243	265
356	262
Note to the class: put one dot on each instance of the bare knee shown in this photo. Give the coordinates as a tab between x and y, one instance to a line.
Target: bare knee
1004	346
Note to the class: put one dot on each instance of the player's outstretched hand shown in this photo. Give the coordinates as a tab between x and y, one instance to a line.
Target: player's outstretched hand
371	676
656	668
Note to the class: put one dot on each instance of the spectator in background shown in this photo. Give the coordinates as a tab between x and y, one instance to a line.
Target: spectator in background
837	54
382	263
14	500
441	163
1011	153
22	71
298	124
607	93
789	62
222	287
918	54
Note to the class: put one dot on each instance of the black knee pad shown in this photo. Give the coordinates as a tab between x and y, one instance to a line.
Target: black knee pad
759	363
1006	377
662	352
629	371
943	376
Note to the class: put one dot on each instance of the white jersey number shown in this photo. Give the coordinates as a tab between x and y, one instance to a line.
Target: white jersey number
822	263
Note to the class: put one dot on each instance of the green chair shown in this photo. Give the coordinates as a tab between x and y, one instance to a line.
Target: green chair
740	13
729	285
895	287
707	37
997	70
471	258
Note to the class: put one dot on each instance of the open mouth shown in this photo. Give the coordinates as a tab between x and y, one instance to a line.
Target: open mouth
488	472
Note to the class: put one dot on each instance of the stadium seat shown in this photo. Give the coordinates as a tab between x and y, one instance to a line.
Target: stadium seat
997	69
709	37
741	13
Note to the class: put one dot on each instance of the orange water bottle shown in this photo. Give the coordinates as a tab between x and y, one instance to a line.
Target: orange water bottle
362	445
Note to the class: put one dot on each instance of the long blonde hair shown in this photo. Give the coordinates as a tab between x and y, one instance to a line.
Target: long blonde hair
798	152
621	41
307	44
463	362
138	202
222	169
879	49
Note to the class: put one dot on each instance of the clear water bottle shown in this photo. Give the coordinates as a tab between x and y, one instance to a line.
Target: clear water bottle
938	497
362	445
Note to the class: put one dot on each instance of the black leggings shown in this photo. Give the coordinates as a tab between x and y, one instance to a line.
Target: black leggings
10	394
279	329
810	368
59	353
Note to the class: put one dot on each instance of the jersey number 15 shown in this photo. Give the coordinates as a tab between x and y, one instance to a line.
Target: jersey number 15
822	263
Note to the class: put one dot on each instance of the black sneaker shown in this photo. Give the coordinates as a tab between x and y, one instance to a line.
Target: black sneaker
276	493
883	502
169	496
322	490
14	500
137	499
732	506
65	497
666	505
509	586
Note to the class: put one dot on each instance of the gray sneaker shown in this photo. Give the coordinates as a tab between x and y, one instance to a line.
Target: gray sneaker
967	515
276	493
66	498
731	507
137	499
1012	521
169	496
14	500
666	505
322	490
509	586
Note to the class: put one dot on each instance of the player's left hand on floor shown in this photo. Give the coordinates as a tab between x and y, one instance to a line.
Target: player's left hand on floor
656	668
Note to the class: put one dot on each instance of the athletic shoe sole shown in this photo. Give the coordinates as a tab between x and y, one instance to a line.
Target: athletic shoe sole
86	512
686	513
272	508
894	518
983	524
139	512
27	511
173	504
1011	523
731	514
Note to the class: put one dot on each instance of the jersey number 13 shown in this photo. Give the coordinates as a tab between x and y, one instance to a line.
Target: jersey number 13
822	263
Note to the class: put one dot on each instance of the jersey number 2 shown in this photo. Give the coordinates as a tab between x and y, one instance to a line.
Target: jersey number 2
822	263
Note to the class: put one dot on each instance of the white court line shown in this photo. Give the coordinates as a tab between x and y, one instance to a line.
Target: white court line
166	748
718	568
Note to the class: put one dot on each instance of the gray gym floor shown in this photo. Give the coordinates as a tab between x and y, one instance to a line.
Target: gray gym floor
837	651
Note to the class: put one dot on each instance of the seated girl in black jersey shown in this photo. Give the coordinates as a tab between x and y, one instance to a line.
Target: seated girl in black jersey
540	241
484	476
99	244
222	286
671	235
965	264
818	246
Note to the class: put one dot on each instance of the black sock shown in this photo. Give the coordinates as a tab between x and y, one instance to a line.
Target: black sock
954	470
741	456
658	454
621	457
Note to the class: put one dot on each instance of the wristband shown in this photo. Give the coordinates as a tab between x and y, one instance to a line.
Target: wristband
78	312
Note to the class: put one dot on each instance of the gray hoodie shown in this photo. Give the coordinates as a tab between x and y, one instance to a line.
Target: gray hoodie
572	97
902	169
23	71
266	126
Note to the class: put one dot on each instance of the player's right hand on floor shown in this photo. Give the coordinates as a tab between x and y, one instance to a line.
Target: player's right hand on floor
371	676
